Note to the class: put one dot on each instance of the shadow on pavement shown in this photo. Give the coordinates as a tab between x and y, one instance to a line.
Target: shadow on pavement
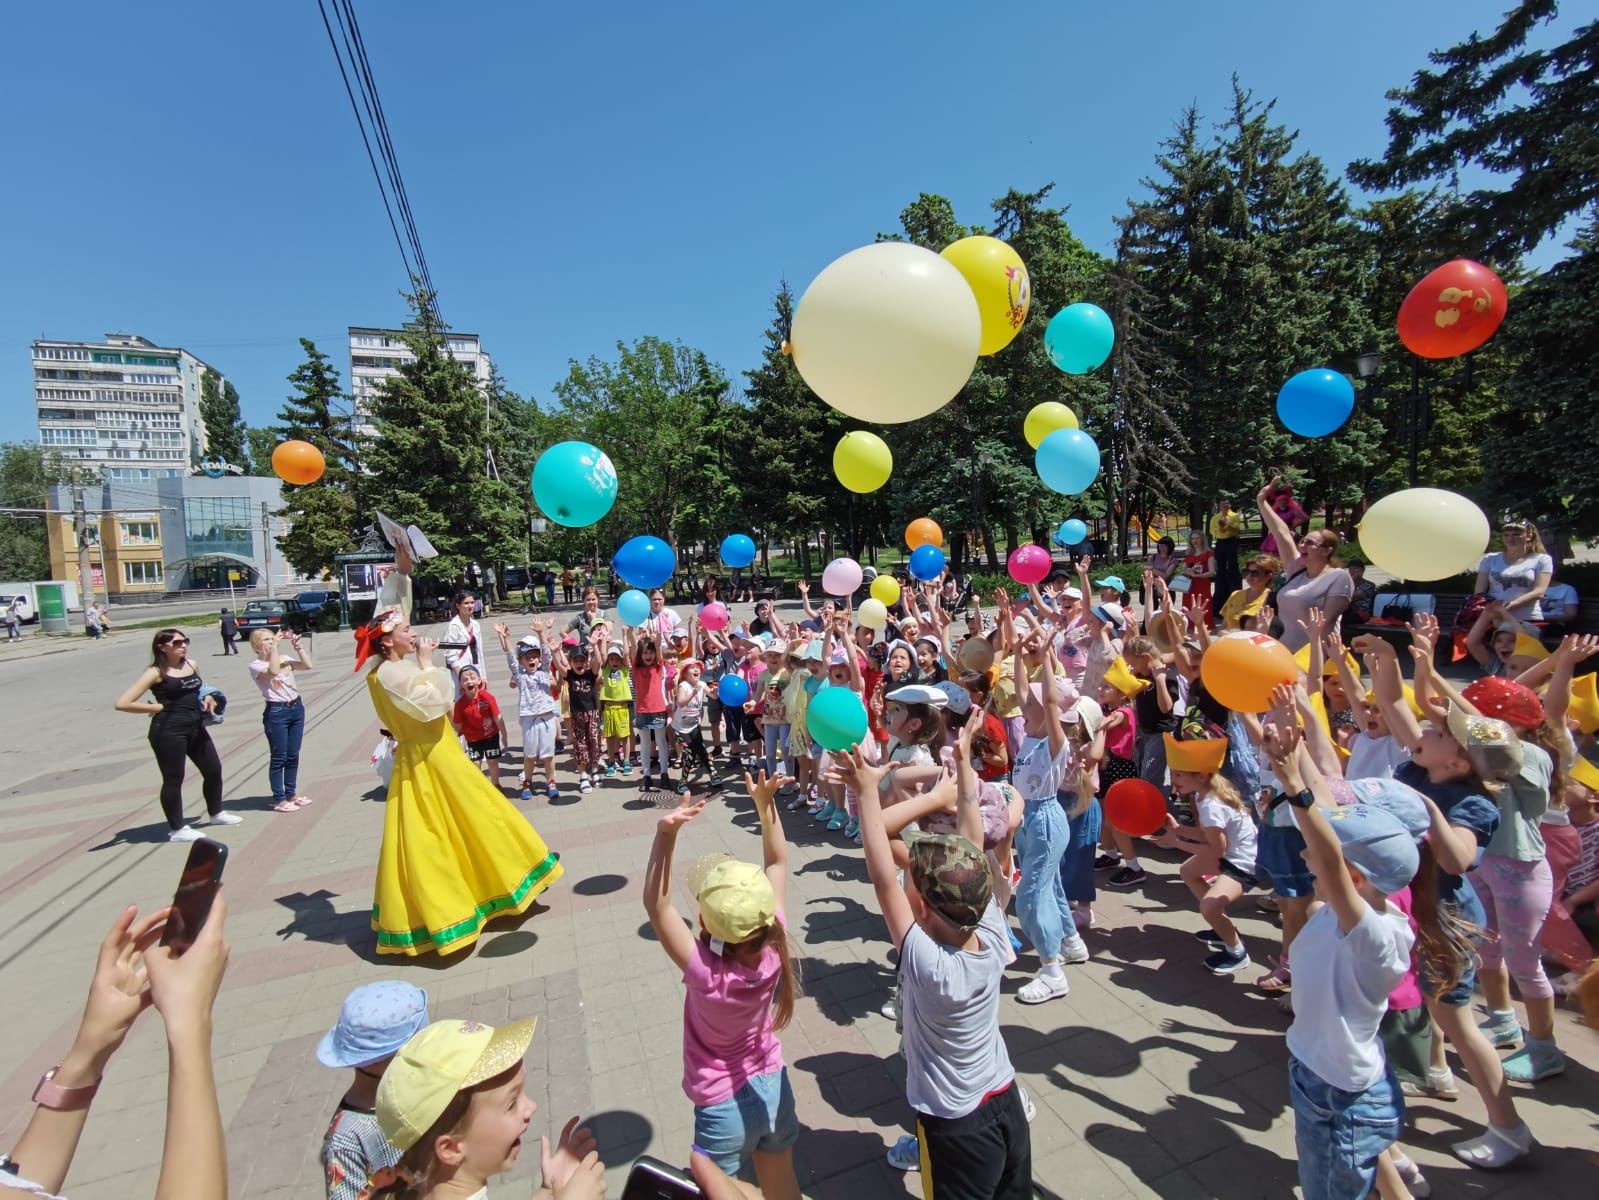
600	885
622	1133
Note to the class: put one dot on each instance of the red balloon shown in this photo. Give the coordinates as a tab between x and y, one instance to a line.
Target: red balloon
1135	807
1453	310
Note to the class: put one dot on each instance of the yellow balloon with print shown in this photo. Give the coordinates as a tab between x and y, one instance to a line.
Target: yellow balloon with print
999	280
1044	419
862	461
885	590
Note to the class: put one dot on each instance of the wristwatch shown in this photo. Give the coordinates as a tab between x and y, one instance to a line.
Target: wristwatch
50	1094
1301	799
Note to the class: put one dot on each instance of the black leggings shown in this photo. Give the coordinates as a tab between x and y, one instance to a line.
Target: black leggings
174	742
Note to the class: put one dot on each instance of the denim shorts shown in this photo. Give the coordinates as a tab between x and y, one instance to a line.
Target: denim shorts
1339	1134
1467	908
759	1118
655	720
1278	856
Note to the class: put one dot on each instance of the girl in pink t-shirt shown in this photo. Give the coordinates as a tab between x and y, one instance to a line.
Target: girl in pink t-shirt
740	987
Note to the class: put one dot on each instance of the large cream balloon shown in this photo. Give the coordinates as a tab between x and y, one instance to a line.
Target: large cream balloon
887	333
1424	533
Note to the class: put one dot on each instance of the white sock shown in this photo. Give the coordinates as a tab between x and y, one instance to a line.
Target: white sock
1051	970
1235	947
1131	861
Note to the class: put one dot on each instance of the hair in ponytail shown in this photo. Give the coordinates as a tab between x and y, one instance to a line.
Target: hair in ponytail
749	953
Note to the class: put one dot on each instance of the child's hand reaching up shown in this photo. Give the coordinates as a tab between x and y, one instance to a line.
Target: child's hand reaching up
687	809
852	770
571	1150
762	789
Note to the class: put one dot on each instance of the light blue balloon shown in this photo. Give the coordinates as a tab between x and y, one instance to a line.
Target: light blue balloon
927	563
733	691
738	550
633	608
574	483
645	562
1315	403
1067	461
1073	532
1079	338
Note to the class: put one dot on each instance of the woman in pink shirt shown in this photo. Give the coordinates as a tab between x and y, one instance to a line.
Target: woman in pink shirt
740	984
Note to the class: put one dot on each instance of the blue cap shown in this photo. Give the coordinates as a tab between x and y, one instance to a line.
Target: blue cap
376	1020
1377	844
1399	799
1112	581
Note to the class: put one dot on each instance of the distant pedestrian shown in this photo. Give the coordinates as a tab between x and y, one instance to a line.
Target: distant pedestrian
549	587
230	632
94	620
14	620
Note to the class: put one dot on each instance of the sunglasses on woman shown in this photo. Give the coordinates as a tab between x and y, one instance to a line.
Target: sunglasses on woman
177	642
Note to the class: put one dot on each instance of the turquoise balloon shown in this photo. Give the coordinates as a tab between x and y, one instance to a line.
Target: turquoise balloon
836	719
644	562
1073	532
1079	338
574	483
1068	461
738	550
633	608
1315	403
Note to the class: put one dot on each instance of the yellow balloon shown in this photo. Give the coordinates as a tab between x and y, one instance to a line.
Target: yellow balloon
872	614
862	461
1044	419
885	590
998	279
1424	533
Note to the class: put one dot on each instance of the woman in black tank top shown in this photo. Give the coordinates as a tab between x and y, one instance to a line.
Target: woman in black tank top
178	731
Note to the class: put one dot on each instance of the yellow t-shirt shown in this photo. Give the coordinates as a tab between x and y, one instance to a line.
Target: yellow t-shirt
1006	699
1229	526
1239	605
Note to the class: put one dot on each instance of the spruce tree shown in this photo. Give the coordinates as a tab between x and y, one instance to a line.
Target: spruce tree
224	423
321	519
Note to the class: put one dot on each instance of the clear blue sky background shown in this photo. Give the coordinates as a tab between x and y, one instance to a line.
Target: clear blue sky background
191	170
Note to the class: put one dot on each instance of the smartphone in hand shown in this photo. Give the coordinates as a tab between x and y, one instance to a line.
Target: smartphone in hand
197	890
651	1179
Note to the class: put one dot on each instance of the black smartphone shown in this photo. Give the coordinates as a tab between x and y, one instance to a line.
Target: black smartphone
651	1179
197	890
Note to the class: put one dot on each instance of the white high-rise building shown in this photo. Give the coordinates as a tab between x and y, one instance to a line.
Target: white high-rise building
125	406
377	354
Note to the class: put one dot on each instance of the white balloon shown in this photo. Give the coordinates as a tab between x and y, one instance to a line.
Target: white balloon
872	613
1424	533
887	333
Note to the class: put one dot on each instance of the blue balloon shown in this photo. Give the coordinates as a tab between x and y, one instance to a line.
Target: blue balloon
927	563
1079	338
1067	461
738	550
574	483
1315	403
732	690
633	608
1073	532
645	562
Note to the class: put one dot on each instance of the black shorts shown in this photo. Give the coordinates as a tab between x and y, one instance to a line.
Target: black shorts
1247	879
987	1153
483	748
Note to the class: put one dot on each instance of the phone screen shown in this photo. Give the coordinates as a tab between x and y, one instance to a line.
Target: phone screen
197	889
651	1179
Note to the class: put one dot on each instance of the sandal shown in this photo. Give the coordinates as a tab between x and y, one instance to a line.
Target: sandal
905	1154
301	801
286	806
1276	980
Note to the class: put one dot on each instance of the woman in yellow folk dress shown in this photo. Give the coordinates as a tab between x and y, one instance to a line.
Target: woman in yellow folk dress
455	851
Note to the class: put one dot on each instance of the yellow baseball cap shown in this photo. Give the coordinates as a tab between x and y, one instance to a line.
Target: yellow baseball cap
444	1058
1585	773
736	898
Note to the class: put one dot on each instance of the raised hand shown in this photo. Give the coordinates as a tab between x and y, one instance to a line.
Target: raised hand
687	809
501	628
761	788
1578	646
851	768
1314	624
119	991
804	587
573	1146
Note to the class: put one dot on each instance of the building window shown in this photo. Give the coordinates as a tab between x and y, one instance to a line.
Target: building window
141	574
140	533
68	437
214	525
60	355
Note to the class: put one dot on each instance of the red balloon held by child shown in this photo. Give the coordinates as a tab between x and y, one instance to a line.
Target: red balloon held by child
1135	807
1453	310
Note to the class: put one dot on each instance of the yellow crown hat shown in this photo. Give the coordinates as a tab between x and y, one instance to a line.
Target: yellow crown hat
1410	699
1204	756
1584	706
1328	666
1528	646
1585	773
1120	677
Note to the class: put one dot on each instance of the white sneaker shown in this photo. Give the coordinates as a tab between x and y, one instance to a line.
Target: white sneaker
1073	949
226	818
583	784
1083	918
185	833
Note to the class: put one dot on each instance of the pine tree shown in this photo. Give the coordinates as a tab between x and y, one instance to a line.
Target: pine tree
224	423
321	519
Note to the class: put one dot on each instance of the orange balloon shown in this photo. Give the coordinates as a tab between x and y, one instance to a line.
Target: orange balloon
298	462
1453	310
1241	669
1135	807
923	531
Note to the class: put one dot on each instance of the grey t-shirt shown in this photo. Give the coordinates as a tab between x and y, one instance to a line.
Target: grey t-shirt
954	1054
1301	593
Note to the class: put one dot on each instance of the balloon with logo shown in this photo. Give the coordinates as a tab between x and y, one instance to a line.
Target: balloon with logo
927	563
1029	564
862	461
298	462
835	718
1044	419
1079	338
1315	403
1073	532
645	562
1242	669
998	279
574	483
733	690
1453	310
714	616
887	333
1424	533
633	608
738	550
841	577
872	613
1067	461
1135	807
923	531
885	590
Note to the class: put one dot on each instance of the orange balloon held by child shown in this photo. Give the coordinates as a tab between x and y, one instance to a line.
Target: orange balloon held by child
298	462
1242	669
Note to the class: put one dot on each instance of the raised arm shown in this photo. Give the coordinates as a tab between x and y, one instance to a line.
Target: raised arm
1574	648
1334	650
670	931
861	777
1287	544
1322	852
1481	629
1388	686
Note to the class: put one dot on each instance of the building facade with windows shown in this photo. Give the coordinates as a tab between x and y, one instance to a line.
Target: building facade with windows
125	406
377	354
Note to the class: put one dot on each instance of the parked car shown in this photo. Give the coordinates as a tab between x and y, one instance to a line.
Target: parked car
318	602
515	579
276	615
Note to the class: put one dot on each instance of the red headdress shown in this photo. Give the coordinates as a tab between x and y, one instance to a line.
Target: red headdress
369	635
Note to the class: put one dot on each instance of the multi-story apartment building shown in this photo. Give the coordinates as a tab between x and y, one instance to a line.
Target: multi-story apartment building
377	354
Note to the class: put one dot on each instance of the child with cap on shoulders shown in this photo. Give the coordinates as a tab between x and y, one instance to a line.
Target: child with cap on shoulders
376	1020
453	1104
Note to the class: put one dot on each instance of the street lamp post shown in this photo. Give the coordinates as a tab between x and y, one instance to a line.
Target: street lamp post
1415	406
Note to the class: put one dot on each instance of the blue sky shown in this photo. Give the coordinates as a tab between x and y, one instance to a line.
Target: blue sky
580	175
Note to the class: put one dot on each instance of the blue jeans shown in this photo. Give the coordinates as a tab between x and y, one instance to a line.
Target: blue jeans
285	727
1077	864
1041	898
760	1117
1339	1134
776	739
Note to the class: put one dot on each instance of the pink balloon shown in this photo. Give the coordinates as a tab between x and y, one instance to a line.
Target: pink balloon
841	577
1029	564
714	616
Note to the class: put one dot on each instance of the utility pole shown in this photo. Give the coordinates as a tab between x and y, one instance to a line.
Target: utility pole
266	544
80	530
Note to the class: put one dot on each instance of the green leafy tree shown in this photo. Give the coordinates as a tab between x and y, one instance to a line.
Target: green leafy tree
224	423
27	472
259	442
321	519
